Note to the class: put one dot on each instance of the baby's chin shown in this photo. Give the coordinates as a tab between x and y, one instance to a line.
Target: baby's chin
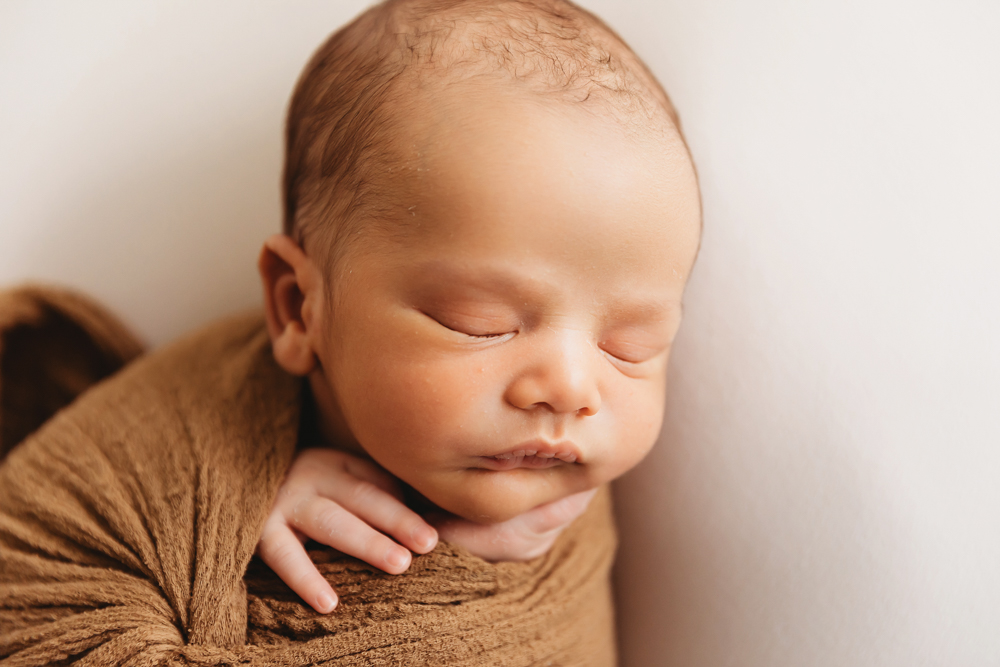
494	497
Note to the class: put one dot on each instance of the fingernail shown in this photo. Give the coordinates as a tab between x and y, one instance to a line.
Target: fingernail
425	537
325	603
397	558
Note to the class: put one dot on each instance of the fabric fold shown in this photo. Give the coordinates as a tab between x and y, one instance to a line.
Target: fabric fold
128	524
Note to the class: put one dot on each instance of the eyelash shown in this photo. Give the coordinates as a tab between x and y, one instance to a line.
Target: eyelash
617	358
477	336
470	335
611	357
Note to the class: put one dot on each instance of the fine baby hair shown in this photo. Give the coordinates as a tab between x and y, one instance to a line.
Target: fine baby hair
341	163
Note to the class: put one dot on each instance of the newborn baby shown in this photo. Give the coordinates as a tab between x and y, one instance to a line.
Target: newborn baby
490	218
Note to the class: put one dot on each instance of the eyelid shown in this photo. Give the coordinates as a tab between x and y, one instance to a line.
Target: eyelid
653	353
487	336
635	343
634	369
623	360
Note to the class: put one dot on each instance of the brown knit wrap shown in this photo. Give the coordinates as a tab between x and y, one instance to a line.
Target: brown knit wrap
54	343
128	524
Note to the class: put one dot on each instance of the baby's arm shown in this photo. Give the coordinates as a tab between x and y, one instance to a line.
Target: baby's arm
343	501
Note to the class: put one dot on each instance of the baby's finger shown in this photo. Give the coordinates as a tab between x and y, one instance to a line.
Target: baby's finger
497	541
284	553
325	521
326	467
372	472
557	514
380	510
524	537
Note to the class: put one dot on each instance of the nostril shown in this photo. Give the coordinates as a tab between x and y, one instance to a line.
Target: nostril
558	385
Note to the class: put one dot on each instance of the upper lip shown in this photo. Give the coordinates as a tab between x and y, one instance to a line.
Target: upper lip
563	450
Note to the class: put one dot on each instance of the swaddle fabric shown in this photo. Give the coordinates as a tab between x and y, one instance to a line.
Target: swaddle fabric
128	523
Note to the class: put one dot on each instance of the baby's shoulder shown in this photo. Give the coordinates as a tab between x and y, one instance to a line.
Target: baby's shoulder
173	408
151	488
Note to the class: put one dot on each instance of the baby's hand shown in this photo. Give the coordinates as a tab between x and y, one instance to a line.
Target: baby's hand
524	537
344	502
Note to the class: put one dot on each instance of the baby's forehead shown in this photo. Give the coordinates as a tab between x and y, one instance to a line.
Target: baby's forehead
494	171
351	121
476	121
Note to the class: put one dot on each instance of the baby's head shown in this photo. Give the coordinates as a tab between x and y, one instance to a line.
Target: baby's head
490	219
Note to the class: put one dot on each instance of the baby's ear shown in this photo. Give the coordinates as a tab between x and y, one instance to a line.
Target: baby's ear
293	294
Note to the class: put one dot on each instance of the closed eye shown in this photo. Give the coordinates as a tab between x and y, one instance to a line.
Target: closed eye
615	357
631	354
469	330
489	335
623	360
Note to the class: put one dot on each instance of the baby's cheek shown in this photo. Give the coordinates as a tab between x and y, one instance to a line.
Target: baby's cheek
640	427
411	419
394	390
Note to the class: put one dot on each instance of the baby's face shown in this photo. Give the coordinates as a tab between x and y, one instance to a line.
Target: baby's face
506	343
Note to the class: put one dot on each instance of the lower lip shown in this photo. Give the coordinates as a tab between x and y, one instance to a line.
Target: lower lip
530	462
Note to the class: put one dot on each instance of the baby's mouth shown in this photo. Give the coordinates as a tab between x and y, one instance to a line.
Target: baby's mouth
528	458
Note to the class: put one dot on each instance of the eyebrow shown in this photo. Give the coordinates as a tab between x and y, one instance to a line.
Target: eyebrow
482	277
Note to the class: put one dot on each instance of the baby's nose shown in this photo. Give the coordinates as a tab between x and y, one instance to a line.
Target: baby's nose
561	376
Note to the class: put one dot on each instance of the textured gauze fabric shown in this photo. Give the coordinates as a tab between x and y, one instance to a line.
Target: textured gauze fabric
128	522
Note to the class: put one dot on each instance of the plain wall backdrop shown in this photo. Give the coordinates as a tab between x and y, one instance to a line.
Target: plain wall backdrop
827	487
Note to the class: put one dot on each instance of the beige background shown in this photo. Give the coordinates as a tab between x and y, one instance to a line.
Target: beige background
826	490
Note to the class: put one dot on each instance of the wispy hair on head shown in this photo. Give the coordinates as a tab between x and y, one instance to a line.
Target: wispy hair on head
339	135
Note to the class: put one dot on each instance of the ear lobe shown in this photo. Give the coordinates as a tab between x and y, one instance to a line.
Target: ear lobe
286	274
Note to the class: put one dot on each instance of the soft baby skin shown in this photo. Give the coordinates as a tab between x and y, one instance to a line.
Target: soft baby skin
523	300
